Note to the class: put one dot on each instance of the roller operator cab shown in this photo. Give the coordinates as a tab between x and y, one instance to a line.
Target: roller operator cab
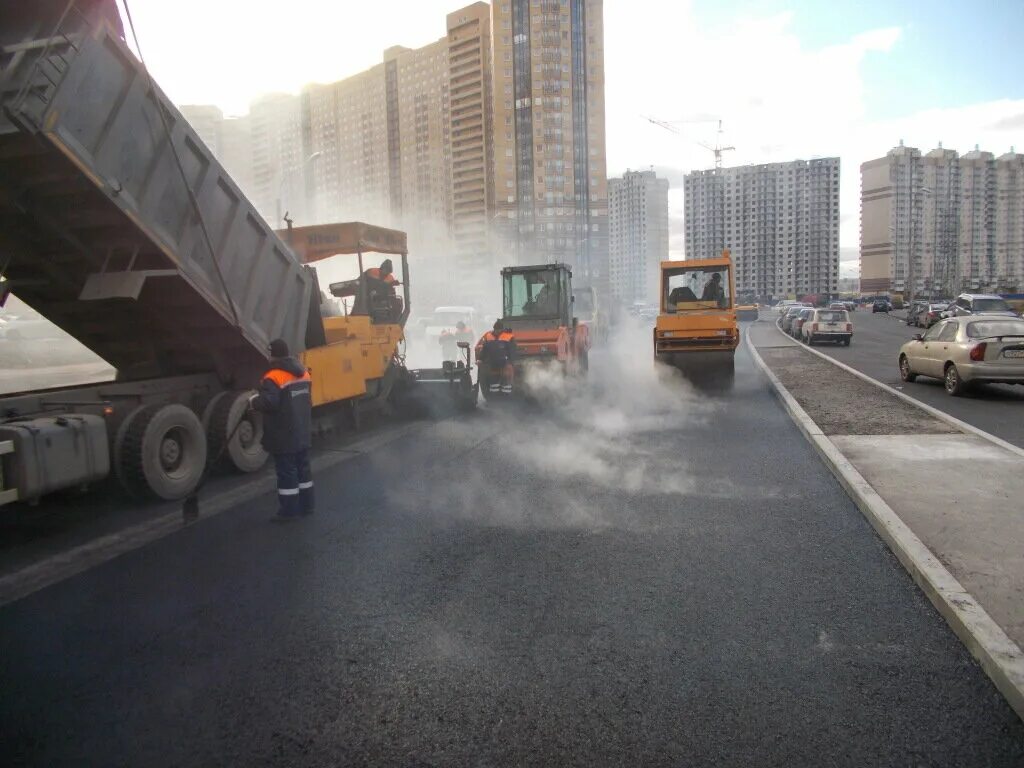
538	308
697	330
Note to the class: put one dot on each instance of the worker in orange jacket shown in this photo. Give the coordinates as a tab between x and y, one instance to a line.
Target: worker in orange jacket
286	402
498	353
385	273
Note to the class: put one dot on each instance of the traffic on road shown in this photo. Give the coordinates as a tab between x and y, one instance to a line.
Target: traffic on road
988	391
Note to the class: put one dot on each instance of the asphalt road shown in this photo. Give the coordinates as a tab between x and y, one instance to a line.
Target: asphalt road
877	338
643	575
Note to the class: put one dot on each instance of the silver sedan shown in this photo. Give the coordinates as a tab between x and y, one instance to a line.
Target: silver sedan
966	350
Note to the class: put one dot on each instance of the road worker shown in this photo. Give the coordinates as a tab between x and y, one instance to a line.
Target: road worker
385	273
497	353
713	291
449	345
285	400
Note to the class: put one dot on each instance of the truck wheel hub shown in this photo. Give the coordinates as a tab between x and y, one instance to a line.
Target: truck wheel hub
170	452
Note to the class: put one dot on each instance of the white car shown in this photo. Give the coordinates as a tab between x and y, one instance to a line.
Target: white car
445	319
828	325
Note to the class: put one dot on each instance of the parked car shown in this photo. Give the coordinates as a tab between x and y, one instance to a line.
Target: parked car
851	306
932	314
966	350
915	310
790	315
828	325
980	304
798	322
880	305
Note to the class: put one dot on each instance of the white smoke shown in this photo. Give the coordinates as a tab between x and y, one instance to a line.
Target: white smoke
582	456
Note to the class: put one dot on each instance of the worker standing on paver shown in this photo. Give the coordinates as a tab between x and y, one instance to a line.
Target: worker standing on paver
285	400
450	340
498	354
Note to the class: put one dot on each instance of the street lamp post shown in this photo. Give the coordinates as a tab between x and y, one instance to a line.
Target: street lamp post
291	172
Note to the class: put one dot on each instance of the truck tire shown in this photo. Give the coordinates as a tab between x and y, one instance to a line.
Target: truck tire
245	453
161	452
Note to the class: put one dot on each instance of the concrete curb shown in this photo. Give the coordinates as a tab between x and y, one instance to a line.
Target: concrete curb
953	421
998	655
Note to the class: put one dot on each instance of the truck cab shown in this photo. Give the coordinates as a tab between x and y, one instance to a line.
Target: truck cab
697	328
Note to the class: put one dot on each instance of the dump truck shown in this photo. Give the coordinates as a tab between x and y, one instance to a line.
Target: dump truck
119	225
696	330
538	309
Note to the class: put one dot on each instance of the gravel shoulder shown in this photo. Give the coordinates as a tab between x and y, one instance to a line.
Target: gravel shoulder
842	404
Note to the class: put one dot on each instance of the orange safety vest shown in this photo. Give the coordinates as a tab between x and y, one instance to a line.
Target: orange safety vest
374	272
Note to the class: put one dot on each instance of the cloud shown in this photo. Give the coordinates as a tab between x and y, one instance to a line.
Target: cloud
779	101
1011	123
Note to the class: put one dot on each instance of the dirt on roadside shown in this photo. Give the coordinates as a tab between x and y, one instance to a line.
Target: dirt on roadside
842	404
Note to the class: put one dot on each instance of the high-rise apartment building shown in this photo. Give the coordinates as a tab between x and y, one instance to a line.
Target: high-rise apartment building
780	222
550	166
941	223
637	235
487	146
279	163
206	120
229	139
235	150
471	142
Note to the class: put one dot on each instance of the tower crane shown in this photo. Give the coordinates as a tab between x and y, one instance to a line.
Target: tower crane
718	149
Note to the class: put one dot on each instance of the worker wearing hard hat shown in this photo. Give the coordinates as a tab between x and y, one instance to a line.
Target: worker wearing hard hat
497	352
385	273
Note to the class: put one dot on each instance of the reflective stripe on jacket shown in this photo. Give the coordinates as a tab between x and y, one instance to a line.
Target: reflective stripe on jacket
498	349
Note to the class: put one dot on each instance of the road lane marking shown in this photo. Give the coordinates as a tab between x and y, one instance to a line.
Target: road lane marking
999	656
64	565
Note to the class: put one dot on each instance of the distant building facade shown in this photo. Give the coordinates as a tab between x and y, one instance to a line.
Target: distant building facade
942	223
638	238
487	145
550	164
780	222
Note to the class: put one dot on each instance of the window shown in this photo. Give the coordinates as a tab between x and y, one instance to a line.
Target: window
948	332
532	294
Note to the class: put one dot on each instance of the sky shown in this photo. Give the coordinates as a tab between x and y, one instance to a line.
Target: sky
792	79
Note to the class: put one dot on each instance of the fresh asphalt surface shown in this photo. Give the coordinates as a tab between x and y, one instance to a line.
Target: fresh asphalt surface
641	576
877	338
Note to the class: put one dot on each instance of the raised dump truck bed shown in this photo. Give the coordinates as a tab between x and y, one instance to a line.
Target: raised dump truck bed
97	228
105	193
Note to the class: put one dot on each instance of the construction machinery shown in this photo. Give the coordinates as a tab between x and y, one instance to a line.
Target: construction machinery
119	225
747	308
696	330
538	308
